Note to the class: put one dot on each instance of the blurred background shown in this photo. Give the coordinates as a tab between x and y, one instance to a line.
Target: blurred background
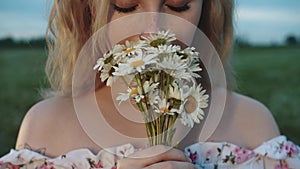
266	59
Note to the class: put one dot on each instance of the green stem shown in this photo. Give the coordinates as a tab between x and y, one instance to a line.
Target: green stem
126	83
167	85
148	125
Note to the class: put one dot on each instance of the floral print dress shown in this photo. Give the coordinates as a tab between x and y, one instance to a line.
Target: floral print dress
277	153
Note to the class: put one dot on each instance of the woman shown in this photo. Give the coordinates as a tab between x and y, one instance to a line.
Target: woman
52	124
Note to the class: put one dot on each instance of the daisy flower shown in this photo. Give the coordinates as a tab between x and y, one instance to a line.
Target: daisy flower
125	96
194	101
148	87
192	60
130	49
101	62
131	92
190	53
163	50
168	48
161	38
194	68
107	74
137	94
109	57
153	97
163	107
174	66
134	93
135	64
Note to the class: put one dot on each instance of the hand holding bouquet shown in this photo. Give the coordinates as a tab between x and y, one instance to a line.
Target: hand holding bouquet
163	84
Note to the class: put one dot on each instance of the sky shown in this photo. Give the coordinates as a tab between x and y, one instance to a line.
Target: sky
258	21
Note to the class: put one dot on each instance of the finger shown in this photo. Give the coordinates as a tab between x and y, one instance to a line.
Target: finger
172	165
153	155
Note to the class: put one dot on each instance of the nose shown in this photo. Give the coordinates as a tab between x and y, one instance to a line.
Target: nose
152	18
152	5
152	22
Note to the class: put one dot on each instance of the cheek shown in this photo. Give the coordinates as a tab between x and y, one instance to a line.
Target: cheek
190	20
192	17
195	14
112	15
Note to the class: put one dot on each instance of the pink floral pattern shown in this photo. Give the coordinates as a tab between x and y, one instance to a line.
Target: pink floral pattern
282	164
238	155
277	153
77	159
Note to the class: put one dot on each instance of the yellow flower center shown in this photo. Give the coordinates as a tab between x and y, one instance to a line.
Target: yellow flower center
190	105
165	110
127	51
158	42
137	63
134	91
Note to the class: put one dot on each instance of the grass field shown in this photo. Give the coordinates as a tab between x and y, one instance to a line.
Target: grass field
22	76
270	75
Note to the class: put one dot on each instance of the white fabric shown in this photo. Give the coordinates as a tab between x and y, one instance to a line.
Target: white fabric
277	153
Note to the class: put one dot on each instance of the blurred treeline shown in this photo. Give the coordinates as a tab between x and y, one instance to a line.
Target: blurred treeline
12	43
290	40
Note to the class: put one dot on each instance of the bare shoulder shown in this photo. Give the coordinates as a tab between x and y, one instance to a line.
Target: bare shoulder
43	123
254	119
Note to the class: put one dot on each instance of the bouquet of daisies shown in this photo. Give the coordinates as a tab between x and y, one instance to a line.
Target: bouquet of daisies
163	85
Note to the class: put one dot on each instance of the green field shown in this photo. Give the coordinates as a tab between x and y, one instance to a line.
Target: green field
270	75
22	77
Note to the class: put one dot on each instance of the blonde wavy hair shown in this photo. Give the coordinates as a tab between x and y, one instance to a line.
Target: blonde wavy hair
73	22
